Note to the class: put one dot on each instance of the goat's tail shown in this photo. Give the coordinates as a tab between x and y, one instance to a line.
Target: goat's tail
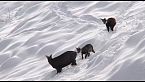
93	50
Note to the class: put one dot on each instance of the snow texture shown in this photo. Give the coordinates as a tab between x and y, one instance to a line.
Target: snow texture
29	30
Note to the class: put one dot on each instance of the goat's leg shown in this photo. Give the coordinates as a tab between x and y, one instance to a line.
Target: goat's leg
86	55
107	27
112	27
82	55
74	62
59	70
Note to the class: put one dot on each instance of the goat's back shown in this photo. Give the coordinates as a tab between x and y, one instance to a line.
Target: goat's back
87	48
64	59
68	54
111	21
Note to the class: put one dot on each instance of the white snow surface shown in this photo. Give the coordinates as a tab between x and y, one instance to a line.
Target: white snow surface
29	30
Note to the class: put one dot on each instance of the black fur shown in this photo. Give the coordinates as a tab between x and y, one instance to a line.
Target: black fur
63	60
86	50
110	23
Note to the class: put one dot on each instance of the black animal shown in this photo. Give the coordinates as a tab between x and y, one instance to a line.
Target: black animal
63	60
110	23
86	50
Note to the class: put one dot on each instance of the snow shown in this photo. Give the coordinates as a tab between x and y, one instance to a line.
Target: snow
29	30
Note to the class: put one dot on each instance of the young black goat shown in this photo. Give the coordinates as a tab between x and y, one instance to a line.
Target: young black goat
63	60
110	23
86	50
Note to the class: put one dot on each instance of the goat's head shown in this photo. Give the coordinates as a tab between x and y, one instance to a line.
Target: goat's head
78	50
104	20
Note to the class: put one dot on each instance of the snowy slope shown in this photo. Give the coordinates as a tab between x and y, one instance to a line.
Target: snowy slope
30	30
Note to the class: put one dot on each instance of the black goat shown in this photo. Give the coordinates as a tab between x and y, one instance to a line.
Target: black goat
86	50
63	60
110	23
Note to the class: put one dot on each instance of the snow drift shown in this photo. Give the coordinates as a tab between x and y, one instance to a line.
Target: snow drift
31	30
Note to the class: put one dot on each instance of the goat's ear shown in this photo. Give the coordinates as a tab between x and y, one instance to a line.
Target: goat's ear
77	48
46	56
50	56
